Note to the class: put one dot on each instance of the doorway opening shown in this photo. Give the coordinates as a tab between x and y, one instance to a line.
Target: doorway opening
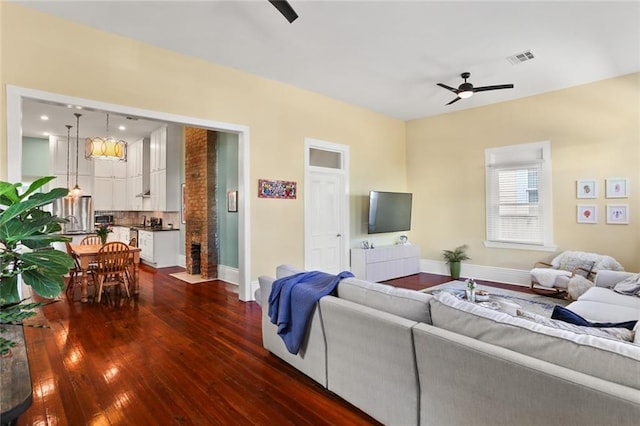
15	96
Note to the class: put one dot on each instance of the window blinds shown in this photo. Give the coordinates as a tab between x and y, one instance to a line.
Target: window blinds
515	181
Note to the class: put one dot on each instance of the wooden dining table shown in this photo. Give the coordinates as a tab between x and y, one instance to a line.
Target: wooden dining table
87	253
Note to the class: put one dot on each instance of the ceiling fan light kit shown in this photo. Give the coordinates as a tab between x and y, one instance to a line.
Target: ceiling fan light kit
466	90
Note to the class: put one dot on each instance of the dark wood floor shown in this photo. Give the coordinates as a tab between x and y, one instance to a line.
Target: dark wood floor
176	354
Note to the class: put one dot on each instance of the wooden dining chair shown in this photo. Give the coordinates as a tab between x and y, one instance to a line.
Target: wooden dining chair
91	239
75	273
112	269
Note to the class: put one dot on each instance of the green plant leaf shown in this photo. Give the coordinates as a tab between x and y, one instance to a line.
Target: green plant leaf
9	193
36	200
52	261
37	185
9	290
46	285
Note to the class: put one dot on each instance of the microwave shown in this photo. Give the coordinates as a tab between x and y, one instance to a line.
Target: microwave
104	219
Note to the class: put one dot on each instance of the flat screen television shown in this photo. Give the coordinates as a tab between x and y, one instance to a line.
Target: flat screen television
389	211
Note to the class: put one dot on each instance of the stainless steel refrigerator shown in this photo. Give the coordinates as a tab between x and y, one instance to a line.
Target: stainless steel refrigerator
77	210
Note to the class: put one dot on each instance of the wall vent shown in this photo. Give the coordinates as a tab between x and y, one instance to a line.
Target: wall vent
519	58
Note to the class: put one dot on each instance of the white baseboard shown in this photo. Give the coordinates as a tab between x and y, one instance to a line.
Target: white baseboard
228	274
479	272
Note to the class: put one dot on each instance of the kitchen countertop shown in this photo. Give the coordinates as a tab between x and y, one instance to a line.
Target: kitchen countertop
149	228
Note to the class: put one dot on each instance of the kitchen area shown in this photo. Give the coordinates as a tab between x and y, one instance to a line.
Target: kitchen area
137	195
169	169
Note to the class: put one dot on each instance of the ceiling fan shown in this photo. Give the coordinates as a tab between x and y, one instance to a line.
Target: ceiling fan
466	90
285	8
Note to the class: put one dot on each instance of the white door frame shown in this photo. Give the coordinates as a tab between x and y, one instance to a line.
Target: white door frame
15	94
310	143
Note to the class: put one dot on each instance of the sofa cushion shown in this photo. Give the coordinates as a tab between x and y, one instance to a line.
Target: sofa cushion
605	295
286	270
604	312
405	303
600	357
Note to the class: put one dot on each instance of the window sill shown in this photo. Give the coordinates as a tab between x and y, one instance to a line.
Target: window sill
516	246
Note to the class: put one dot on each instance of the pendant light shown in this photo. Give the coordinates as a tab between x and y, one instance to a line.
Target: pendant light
76	189
106	148
68	126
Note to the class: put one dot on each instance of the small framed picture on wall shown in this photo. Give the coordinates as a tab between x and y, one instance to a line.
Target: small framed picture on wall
618	214
616	187
587	213
586	188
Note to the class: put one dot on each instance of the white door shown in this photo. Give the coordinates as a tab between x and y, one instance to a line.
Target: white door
326	208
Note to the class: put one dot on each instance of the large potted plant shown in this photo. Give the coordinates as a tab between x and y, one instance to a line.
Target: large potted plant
454	257
26	234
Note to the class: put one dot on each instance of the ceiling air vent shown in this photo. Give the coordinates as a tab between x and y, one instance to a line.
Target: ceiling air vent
519	58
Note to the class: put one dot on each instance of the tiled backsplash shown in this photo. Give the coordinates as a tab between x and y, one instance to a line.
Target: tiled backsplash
135	218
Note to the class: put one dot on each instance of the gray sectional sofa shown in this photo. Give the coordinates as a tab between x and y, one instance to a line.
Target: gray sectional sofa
408	358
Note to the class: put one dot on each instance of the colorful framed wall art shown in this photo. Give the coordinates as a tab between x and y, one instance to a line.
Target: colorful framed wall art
283	189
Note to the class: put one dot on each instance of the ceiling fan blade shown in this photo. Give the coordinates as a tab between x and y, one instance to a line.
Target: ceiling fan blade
444	86
285	8
498	87
455	100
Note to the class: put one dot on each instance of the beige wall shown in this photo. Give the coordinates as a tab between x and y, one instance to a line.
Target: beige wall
594	132
49	54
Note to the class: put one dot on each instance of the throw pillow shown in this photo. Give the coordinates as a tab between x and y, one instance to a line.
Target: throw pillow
629	286
563	314
579	267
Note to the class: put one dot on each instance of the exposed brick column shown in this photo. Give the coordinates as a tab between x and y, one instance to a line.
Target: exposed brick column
200	199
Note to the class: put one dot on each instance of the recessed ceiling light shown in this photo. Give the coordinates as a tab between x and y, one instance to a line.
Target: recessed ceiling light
46	133
78	107
44	117
122	127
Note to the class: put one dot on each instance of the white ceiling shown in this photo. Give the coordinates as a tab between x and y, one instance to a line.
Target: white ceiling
387	56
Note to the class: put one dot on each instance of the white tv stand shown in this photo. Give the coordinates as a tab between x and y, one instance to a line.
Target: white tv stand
385	262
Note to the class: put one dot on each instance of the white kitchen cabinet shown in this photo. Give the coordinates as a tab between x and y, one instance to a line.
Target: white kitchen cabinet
84	182
110	168
110	185
159	248
137	173
386	262
58	149
109	194
164	168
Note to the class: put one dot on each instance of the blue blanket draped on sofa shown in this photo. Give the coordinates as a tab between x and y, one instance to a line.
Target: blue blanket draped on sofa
292	300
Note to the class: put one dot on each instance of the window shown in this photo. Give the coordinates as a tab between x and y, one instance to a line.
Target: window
518	197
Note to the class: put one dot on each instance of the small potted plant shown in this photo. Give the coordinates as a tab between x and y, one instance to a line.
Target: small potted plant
454	257
103	231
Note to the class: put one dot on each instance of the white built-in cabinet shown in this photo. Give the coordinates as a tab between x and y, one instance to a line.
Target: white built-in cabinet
58	151
385	262
110	185
137	173
159	249
164	168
